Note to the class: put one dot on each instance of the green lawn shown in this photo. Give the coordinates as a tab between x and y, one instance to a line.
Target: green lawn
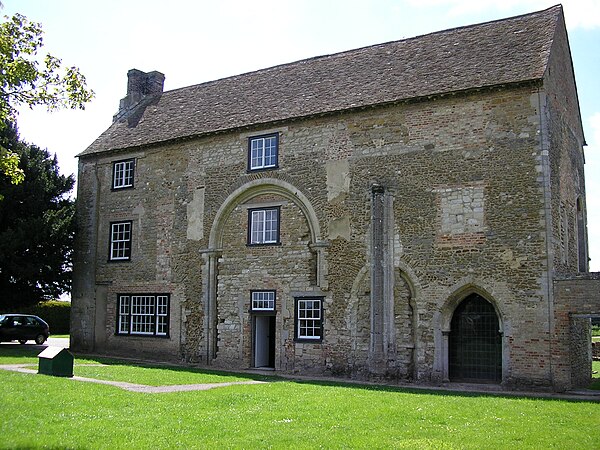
40	411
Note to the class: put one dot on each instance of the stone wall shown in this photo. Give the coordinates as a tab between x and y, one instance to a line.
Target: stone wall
459	214
393	215
576	300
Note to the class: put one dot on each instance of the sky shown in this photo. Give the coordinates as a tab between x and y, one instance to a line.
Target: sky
194	41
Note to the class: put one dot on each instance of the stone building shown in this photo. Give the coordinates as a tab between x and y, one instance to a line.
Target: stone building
409	211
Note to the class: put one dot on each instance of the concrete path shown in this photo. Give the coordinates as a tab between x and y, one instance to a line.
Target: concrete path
50	342
23	368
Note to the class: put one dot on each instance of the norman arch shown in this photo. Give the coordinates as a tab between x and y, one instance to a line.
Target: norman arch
258	187
240	195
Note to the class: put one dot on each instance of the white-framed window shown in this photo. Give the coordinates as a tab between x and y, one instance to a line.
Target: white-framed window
123	174
262	301
143	314
263	227
309	319
263	152
120	241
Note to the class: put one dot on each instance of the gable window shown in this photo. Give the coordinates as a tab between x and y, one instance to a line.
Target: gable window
120	241
263	226
262	301
143	314
123	174
309	319
262	152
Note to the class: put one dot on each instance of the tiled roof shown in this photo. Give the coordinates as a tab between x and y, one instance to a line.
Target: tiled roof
495	53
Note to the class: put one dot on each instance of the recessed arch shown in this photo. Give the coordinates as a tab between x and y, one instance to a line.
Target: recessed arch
258	187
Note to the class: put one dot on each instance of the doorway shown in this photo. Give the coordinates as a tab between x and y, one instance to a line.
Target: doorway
264	341
475	347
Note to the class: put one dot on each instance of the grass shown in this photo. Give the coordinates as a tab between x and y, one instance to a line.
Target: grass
41	411
595	376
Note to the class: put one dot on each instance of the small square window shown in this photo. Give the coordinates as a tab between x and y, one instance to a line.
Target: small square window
262	301
309	319
263	227
263	152
123	174
120	241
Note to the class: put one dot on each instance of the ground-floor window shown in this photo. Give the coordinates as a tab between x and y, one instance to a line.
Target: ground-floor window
309	319
143	314
475	343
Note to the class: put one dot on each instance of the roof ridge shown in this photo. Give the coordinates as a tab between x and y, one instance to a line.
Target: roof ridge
557	7
493	53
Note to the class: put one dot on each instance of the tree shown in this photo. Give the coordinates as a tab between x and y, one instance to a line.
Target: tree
37	227
30	80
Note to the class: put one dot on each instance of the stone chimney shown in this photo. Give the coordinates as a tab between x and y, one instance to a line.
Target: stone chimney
140	86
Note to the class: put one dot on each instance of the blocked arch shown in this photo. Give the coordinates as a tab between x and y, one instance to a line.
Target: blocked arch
253	189
447	313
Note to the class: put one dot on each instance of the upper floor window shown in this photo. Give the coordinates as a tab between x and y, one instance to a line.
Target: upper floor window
262	152
309	319
263	227
123	174
143	314
120	241
263	301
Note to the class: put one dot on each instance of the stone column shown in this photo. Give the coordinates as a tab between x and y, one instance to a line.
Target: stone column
210	257
376	347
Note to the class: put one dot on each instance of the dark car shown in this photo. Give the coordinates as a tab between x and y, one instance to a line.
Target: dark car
22	328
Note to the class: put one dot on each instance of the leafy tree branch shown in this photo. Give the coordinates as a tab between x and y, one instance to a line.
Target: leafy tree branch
29	79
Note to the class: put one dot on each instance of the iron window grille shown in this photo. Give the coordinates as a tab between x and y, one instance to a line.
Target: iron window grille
143	314
123	174
120	241
263	226
262	301
309	319
475	342
263	152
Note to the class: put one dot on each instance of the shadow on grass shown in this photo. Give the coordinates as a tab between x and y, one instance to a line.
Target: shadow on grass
17	352
25	353
110	361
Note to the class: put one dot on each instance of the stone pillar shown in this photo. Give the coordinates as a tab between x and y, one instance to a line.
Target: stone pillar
321	262
210	257
376	347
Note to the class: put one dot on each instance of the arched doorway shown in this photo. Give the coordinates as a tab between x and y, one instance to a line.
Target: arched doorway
475	344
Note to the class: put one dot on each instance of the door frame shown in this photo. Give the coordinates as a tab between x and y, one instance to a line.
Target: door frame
265	324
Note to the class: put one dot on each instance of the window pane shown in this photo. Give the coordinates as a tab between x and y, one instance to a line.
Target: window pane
143	315
263	301
263	152
309	319
123	174
120	245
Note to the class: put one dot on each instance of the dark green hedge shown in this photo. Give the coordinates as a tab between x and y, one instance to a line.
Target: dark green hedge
57	314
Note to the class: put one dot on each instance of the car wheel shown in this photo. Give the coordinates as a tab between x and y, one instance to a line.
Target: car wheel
22	341
40	339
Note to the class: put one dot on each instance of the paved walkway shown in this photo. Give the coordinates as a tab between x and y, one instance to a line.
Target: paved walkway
581	394
23	368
